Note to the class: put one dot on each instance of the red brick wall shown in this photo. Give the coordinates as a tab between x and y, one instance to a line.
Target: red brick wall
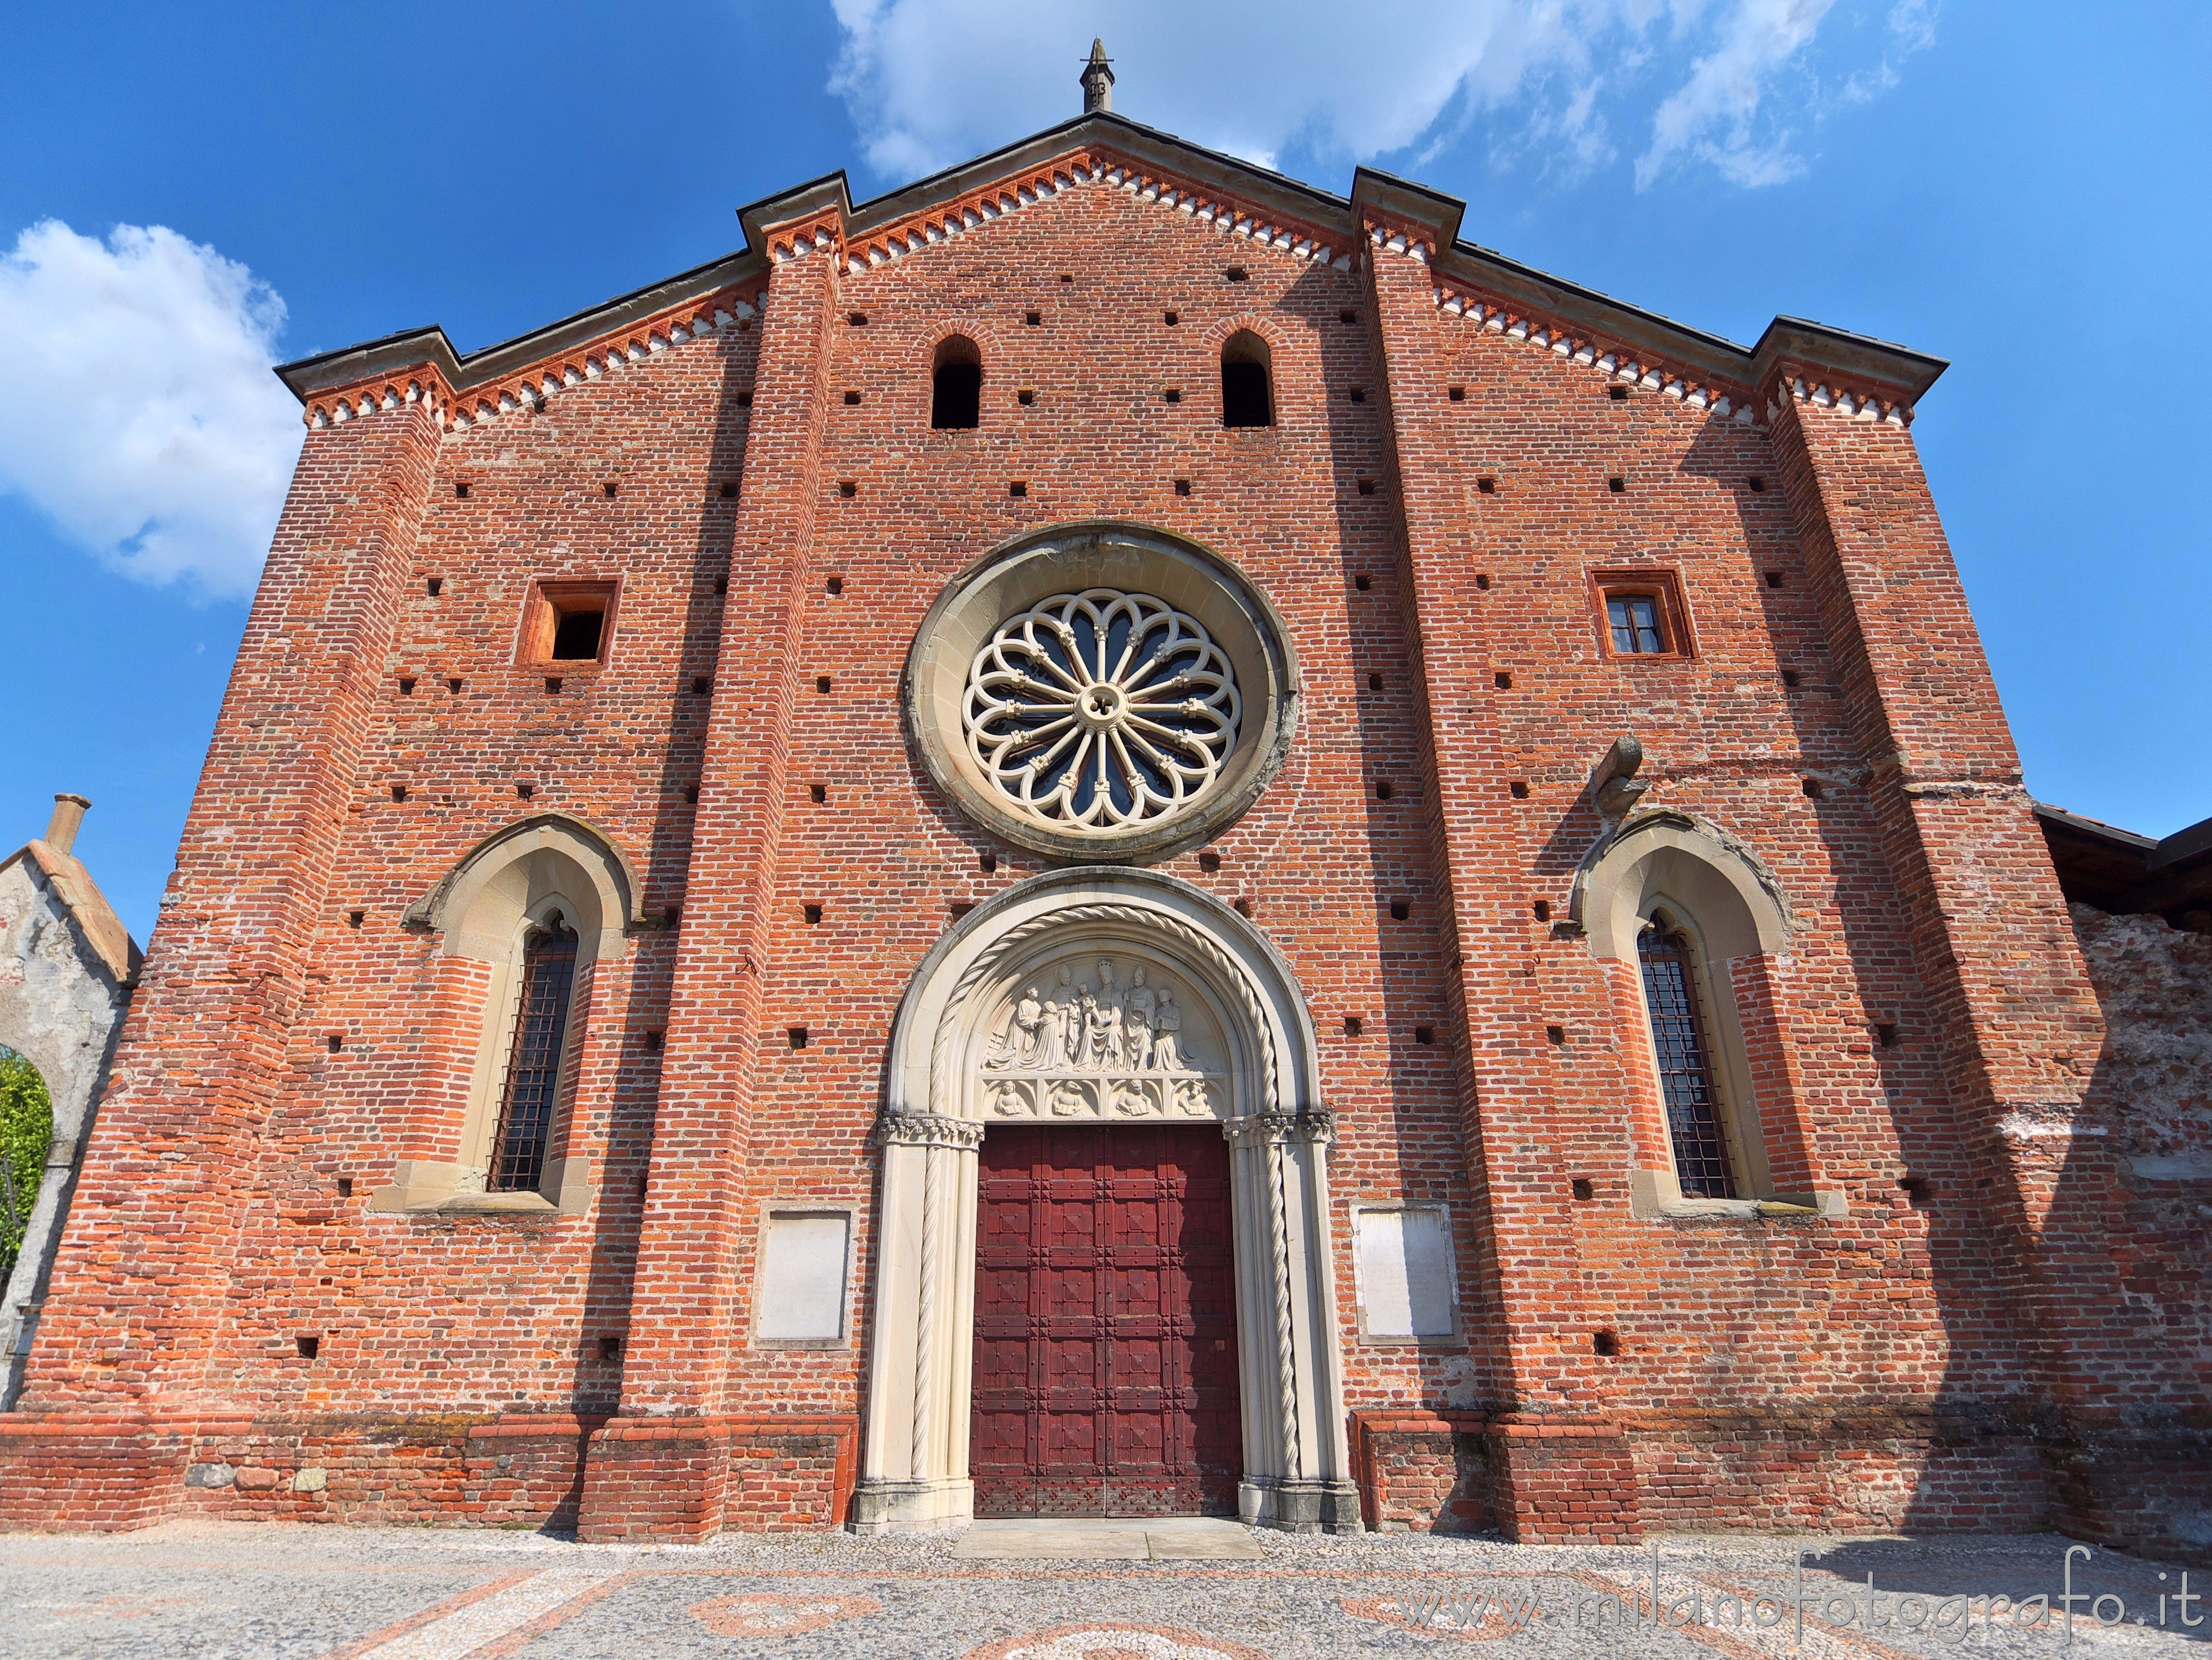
143	1300
1921	893
1421	1472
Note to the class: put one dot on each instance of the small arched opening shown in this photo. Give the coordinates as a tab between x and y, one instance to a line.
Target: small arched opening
1247	390
27	1131
956	384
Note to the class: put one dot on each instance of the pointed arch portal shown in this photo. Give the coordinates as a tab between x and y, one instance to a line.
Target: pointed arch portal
1122	1003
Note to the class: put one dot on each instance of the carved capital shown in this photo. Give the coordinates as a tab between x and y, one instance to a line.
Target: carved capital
927	1130
1313	1124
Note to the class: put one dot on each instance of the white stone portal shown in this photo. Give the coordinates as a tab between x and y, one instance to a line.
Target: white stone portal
1089	997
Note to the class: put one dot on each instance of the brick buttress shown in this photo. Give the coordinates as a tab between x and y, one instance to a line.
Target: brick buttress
129	1344
661	1469
1560	1465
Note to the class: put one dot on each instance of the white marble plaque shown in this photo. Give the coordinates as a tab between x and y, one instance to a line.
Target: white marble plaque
802	1277
1405	1273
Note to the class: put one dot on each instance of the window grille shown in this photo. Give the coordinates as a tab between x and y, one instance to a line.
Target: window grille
533	1072
1685	1072
1635	619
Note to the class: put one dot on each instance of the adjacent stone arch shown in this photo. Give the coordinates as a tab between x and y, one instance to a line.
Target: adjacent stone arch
937	1110
1737	900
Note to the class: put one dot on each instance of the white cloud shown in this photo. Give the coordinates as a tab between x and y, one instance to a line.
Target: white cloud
1711	115
931	82
136	407
1911	27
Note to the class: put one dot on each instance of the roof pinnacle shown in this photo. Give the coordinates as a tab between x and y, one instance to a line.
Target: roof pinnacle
1097	80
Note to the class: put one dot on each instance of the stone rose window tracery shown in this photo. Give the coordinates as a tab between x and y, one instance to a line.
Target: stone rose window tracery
1096	712
1102	692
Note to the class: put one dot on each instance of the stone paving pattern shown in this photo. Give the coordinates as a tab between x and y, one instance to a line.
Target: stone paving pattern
205	1590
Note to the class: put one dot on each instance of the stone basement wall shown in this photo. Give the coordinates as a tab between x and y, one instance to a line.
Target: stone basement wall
2145	1475
523	1470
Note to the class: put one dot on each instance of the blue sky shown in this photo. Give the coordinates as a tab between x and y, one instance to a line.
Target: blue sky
2023	190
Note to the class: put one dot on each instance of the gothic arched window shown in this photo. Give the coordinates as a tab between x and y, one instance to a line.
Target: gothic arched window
1682	1047
533	1067
955	384
1248	392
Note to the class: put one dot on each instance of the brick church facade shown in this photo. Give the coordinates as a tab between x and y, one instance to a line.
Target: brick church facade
1113	836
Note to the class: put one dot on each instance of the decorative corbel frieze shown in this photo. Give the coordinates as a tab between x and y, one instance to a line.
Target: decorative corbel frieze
1862	406
1230	218
531	388
1682	386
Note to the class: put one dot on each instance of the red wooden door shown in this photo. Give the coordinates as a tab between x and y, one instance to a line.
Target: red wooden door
1105	1380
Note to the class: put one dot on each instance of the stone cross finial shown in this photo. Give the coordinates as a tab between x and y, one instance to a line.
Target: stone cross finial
1097	80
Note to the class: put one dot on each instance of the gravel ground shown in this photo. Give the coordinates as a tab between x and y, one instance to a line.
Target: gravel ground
204	1590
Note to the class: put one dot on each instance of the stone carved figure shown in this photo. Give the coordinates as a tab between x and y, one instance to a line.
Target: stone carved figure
1052	1051
1084	1017
1167	1041
1137	1097
1104	1021
1017	1045
1097	1049
1137	1022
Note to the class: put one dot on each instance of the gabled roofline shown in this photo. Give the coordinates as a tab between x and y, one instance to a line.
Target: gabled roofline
1787	340
1263	185
307	376
72	889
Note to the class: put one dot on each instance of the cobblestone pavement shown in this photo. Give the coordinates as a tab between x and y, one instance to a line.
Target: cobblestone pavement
204	1590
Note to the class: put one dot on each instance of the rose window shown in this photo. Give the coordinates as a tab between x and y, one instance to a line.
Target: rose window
1096	712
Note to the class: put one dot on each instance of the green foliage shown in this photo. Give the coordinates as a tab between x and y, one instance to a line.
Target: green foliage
27	1130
